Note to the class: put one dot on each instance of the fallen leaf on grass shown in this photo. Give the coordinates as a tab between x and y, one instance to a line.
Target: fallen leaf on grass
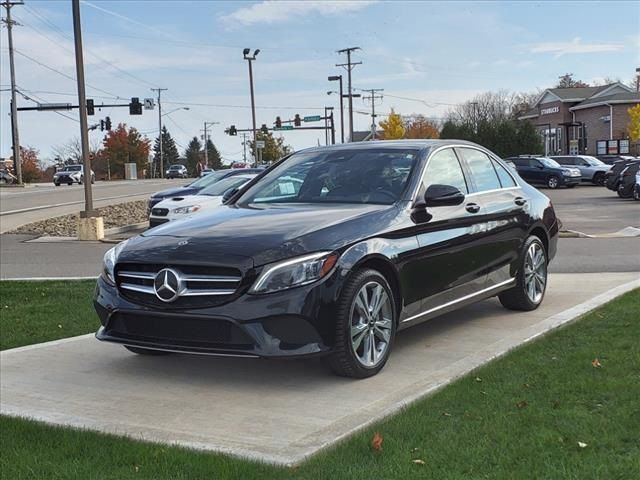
596	363
376	441
478	379
414	449
59	326
582	445
136	468
446	414
417	461
522	404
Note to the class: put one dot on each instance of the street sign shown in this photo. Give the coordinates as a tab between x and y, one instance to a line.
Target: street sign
284	127
312	118
259	144
149	103
54	106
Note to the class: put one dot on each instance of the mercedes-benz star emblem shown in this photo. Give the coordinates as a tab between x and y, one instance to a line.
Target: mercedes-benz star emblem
167	285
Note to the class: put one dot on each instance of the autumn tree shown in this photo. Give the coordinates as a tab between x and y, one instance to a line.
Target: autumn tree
125	145
170	153
634	123
31	169
274	148
213	155
393	127
193	156
419	126
70	152
567	81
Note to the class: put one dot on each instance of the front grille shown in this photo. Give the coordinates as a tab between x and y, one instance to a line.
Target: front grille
154	222
178	330
160	212
201	286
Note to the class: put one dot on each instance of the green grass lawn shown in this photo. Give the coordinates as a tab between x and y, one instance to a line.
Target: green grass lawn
34	312
543	411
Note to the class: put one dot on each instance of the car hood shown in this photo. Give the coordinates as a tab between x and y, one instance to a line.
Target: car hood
269	233
176	192
186	201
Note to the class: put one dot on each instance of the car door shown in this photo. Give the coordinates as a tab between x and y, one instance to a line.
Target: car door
448	244
523	166
504	213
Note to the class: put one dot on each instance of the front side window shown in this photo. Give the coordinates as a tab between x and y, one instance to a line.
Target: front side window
549	162
371	175
444	169
481	167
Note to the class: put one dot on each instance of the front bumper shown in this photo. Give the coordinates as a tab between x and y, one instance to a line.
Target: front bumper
571	180
292	323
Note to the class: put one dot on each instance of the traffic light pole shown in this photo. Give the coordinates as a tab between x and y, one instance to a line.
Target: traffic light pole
160	90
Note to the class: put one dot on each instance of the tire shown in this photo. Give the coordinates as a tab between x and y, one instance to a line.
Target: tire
553	182
350	357
521	297
69	183
81	180
621	193
93	180
636	194
146	351
57	184
598	179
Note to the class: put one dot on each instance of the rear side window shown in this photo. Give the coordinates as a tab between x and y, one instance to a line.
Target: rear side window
444	169
481	167
506	180
565	160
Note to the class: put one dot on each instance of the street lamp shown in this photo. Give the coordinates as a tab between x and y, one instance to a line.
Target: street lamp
175	110
250	58
335	78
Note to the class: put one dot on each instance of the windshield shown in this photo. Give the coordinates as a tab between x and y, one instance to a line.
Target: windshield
73	168
209	179
593	161
372	175
175	167
218	188
548	162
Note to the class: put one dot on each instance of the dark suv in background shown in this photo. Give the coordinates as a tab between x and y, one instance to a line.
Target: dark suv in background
545	171
621	177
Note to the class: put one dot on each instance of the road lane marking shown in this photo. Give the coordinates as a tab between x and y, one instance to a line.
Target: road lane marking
65	204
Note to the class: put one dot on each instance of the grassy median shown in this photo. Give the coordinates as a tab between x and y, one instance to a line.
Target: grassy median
565	406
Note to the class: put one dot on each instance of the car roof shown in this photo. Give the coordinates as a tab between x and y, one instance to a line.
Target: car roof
406	143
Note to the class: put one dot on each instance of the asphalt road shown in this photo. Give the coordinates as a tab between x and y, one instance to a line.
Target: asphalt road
19	206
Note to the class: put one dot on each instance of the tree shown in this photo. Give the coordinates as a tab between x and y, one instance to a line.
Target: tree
193	156
419	126
213	155
634	123
170	153
392	127
31	170
125	145
567	81
274	148
70	153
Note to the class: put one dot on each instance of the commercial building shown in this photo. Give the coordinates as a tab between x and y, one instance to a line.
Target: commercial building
585	120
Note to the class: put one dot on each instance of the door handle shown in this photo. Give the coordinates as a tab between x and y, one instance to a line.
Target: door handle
473	207
520	201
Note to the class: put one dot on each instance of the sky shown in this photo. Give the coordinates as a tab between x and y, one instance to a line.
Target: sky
427	56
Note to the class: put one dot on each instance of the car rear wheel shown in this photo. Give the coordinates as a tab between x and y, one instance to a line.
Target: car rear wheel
553	182
531	281
636	195
145	351
598	179
56	184
622	194
365	326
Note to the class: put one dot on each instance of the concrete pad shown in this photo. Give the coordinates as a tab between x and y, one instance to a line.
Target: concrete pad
274	411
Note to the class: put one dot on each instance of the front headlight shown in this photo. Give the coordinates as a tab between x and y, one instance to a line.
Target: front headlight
566	173
109	262
295	272
183	210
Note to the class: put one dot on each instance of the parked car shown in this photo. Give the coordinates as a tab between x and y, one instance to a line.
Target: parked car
194	187
7	178
611	159
627	183
614	176
206	171
592	169
71	174
378	237
210	197
545	171
176	171
636	188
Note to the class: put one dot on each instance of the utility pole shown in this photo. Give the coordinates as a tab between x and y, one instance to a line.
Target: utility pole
160	90
244	148
349	67
17	159
373	97
206	152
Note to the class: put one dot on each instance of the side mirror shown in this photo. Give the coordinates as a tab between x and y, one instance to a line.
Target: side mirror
441	195
228	194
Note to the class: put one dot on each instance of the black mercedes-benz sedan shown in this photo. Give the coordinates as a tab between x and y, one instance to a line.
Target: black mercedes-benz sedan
331	252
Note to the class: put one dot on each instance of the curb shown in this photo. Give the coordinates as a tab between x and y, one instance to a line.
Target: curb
627	232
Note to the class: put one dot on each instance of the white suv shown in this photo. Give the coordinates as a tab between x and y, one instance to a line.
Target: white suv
71	174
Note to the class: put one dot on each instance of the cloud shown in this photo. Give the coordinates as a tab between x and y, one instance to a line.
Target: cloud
280	11
575	46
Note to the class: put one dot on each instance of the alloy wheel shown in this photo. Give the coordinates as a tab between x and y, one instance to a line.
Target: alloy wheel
535	272
371	324
552	182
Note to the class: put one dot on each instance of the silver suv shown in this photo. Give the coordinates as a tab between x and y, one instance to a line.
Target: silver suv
592	169
71	174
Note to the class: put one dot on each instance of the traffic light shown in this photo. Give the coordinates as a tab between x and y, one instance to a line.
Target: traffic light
264	129
135	107
102	125
232	130
278	122
297	120
90	108
107	123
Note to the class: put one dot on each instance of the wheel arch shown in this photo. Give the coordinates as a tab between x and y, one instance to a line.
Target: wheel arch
540	232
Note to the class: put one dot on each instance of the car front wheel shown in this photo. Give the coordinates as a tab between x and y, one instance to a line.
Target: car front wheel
598	179
531	281
553	182
365	326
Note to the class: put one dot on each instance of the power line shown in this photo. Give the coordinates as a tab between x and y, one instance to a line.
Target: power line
194	104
